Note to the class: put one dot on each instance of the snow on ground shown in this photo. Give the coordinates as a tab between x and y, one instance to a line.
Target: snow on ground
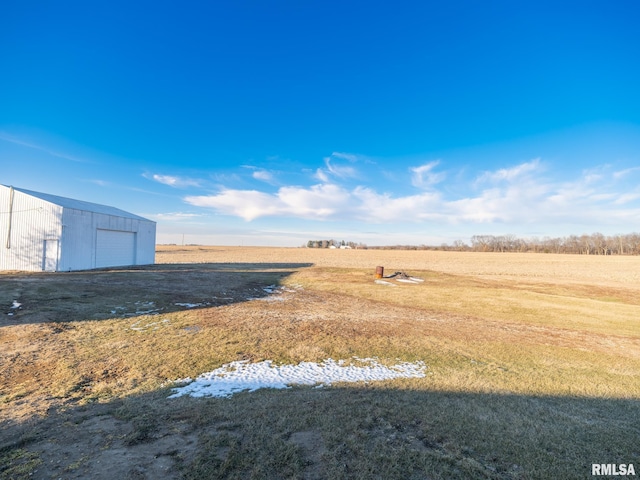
269	294
276	294
14	306
398	277
243	376
141	308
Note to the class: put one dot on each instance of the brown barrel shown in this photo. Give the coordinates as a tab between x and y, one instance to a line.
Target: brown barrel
379	272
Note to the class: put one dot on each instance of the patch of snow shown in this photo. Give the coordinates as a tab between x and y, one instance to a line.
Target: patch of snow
141	308
274	293
384	282
270	298
147	305
190	305
14	306
405	280
243	376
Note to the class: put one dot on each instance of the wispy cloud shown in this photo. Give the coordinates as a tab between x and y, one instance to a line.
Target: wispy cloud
424	176
175	216
626	173
321	175
351	157
43	148
172	180
340	171
511	174
264	176
335	167
101	183
627	198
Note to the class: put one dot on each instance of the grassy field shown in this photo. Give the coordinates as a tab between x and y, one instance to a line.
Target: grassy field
533	365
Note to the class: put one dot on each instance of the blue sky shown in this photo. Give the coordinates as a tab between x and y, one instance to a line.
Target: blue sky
271	123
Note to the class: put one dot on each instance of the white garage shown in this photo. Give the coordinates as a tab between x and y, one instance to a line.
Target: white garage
43	232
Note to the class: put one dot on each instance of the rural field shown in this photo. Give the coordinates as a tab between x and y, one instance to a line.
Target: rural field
530	366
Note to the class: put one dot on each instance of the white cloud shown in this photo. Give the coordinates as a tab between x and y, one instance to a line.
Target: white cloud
626	198
316	202
173	181
321	175
263	175
424	177
174	216
323	202
511	174
338	170
247	204
518	195
625	173
351	157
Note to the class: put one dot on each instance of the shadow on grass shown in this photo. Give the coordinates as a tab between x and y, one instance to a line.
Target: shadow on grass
134	291
335	432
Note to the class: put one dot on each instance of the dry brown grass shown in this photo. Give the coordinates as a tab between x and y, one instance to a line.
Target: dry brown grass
614	271
532	359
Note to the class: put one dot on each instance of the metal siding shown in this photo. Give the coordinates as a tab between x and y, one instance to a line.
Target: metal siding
36	221
80	249
146	244
145	231
32	222
78	240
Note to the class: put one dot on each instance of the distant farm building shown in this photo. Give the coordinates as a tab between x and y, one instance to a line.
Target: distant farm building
42	232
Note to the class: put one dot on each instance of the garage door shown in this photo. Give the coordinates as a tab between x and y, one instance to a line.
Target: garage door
115	248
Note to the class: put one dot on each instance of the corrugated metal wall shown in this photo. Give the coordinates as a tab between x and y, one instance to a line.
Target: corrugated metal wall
146	243
36	235
79	238
25	227
78	243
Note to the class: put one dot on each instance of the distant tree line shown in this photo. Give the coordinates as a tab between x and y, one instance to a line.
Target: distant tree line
334	244
585	244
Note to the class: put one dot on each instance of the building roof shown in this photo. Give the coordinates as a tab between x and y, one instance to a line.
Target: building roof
65	202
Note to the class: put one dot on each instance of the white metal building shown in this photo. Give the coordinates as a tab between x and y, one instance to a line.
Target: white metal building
42	232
